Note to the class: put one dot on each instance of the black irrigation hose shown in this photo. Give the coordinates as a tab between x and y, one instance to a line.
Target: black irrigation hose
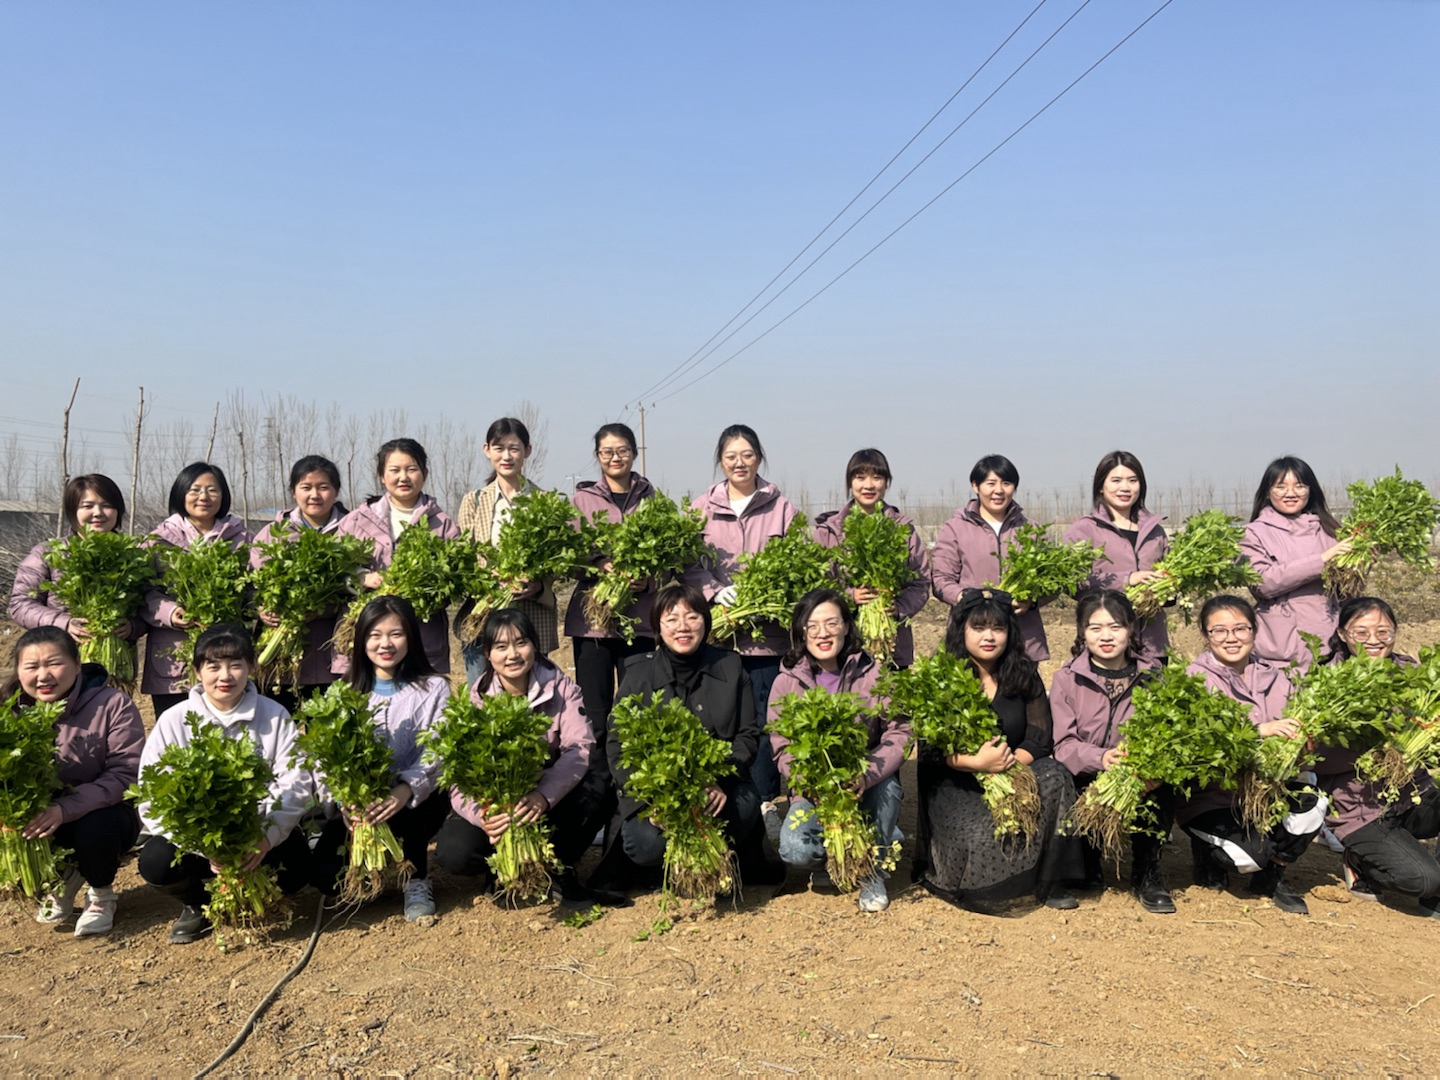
269	999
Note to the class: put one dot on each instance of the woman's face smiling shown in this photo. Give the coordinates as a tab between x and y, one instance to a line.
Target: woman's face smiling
224	681
315	495
995	496
1120	491
46	672
682	629
1231	636
1289	495
1106	638
1371	633
512	655
507	456
868	489
825	633
202	501
386	645
403	478
95	514
740	463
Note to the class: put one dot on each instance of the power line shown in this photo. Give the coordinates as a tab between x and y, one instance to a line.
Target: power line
695	357
943	192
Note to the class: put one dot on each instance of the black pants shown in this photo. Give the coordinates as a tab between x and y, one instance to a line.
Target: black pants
292	697
414	827
188	877
162	702
644	843
1247	850
597	672
462	848
1145	847
100	840
1388	851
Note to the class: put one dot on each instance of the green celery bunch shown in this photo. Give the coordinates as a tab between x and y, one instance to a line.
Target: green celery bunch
875	554
1181	733
209	580
428	570
493	754
339	742
1391	515
771	582
829	746
671	760
102	577
1036	567
544	538
207	795
655	541
301	578
950	713
28	784
1413	741
1204	559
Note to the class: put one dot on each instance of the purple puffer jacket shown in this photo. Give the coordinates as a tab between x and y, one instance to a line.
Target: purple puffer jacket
319	653
571	742
372	521
98	740
30	607
592	497
400	720
1085	721
1123	559
1263	686
1290	598
768	516
888	736
969	555
166	673
830	531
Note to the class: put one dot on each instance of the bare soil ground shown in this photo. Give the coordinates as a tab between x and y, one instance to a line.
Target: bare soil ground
793	983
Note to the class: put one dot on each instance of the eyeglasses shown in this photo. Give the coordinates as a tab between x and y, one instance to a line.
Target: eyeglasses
1365	637
829	626
676	619
1290	489
1220	633
211	491
623	454
746	457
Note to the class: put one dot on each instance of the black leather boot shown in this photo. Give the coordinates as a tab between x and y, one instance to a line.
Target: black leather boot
1148	883
1271	882
1209	874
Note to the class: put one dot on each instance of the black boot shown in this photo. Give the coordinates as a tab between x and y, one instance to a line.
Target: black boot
1209	874
1271	882
1094	879
754	865
1149	885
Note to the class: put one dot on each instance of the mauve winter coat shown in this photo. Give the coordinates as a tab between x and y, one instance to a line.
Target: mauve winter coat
969	555
400	719
888	736
1286	552
1123	559
319	653
830	531
1085	721
1262	686
372	521
98	740
592	497
166	673
767	516
30	607
571	742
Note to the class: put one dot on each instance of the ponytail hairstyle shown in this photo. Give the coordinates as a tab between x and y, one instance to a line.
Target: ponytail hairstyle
740	431
1350	610
1275	472
1113	603
408	447
509	425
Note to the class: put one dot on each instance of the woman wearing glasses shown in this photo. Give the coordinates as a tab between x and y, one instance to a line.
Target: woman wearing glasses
1290	538
1219	842
600	653
744	512
1381	839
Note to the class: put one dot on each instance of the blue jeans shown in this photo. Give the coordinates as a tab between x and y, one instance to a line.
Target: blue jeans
762	671
801	841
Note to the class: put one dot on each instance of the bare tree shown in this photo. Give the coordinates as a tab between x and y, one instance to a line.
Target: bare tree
528	413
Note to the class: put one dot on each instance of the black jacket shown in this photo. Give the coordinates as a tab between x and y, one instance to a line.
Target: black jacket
723	702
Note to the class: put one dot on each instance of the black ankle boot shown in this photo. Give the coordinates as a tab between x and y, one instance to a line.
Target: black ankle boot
1149	887
1208	873
1271	882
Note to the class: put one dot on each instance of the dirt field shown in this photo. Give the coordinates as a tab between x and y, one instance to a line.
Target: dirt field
798	982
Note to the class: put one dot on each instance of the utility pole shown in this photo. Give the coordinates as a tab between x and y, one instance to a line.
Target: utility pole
640	455
65	460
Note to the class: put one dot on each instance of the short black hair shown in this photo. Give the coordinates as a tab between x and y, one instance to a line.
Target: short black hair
186	480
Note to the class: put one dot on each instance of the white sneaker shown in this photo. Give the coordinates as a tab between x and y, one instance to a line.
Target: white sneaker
1330	840
99	914
57	907
873	896
773	819
419	899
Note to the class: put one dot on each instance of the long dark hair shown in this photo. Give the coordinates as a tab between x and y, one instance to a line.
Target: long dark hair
103	486
39	635
413	667
408	447
509	425
1016	676
798	653
511	618
740	431
1275	472
1350	610
1117	459
186	480
1113	603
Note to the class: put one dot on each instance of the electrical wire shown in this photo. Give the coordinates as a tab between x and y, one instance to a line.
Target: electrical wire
943	192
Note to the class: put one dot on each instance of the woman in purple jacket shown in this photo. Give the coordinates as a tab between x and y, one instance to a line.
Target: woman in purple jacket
1381	840
825	651
1219	841
867	475
971	549
315	487
568	795
743	513
1133	538
199	510
1290	538
1091	698
959	856
407	696
92	502
98	739
402	468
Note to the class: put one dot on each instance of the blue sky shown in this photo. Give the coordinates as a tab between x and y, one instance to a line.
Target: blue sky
1219	247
